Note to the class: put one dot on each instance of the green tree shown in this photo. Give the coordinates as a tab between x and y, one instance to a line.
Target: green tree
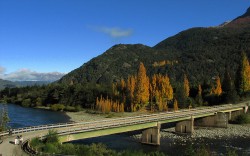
4	119
230	94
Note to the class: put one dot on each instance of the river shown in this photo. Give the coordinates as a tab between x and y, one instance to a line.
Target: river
23	117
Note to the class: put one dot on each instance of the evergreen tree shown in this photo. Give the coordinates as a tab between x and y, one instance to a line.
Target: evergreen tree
230	94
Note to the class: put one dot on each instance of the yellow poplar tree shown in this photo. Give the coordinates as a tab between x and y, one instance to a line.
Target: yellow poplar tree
186	86
167	88
142	86
130	91
218	89
175	105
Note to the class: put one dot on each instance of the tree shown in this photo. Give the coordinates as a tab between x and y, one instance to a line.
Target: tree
175	105
186	86
218	90
130	92
142	86
4	118
230	94
198	98
243	75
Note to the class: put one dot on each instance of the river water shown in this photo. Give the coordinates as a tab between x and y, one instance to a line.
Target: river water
23	117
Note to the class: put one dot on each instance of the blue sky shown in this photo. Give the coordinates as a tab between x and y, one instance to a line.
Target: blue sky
60	35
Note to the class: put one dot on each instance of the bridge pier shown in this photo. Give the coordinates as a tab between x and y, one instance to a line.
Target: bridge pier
186	126
234	114
151	136
246	109
220	119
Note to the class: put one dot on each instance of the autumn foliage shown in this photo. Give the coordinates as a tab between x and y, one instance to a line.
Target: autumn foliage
107	105
141	94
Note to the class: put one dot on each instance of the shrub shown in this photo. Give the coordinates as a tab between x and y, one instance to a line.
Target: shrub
36	143
57	107
26	102
243	119
52	137
50	148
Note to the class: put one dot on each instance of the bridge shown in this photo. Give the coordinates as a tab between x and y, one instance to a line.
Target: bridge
150	124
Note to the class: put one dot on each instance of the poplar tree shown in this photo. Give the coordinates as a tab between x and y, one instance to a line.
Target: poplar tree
243	75
175	105
142	86
198	98
186	86
218	90
130	92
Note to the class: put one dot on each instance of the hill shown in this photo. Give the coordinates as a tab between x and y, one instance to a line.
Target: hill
201	53
5	83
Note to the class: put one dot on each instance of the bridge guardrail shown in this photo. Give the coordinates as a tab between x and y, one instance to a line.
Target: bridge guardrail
119	120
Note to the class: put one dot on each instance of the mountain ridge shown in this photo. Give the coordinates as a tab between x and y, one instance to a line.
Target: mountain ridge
201	53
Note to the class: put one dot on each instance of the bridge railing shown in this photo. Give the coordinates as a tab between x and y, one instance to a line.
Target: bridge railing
127	120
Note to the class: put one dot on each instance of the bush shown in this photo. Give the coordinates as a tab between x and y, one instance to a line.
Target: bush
69	149
50	148
26	102
57	107
36	143
243	119
52	137
70	109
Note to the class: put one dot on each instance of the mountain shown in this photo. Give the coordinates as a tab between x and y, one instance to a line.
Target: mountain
31	83
201	53
5	83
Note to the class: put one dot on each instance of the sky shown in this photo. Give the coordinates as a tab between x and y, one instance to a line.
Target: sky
58	36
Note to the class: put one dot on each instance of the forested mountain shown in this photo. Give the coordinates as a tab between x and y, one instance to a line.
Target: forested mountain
5	83
201	53
198	57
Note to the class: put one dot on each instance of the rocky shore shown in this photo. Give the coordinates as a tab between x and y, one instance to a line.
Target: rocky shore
233	131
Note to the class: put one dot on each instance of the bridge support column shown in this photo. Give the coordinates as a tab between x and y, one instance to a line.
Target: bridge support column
245	109
186	126
151	136
229	115
220	119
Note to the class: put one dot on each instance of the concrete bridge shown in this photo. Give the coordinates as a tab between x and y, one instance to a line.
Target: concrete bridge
216	116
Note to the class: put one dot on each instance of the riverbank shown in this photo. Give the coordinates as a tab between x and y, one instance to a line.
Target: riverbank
233	131
88	115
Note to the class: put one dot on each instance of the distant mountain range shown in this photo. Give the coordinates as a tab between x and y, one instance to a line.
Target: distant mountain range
201	53
10	84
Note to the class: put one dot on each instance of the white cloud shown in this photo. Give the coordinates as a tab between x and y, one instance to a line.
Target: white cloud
114	32
29	75
2	70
